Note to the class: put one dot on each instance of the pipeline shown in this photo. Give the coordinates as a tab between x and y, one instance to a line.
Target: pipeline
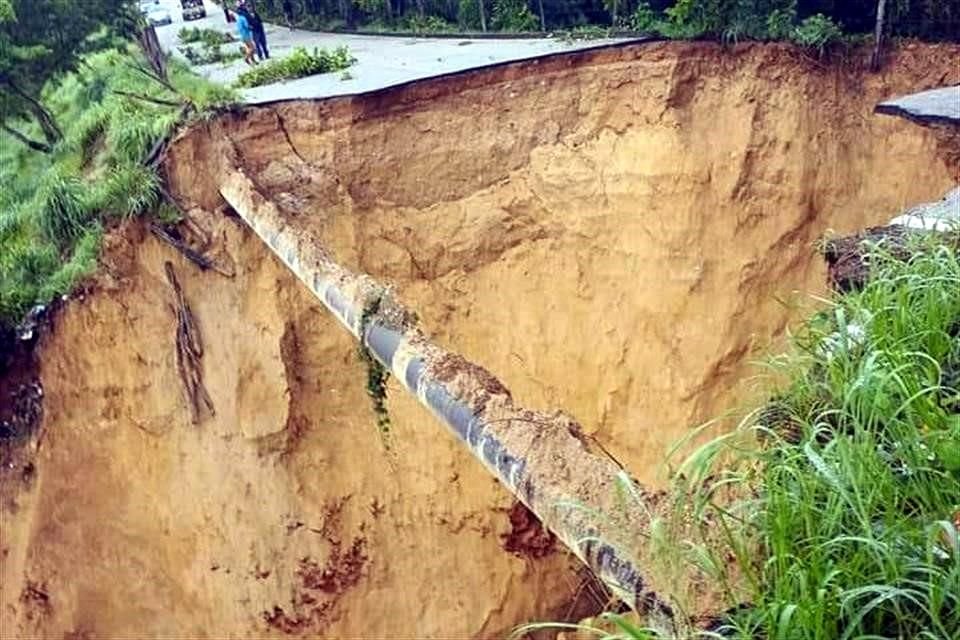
578	492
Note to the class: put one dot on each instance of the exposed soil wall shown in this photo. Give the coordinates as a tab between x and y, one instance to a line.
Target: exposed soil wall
612	233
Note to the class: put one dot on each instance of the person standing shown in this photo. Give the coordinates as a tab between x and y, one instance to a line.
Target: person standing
288	13
259	33
245	33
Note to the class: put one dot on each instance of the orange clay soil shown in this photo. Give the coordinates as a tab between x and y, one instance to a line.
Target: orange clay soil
614	233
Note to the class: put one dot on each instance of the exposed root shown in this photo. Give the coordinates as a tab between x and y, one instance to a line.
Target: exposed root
189	353
188	252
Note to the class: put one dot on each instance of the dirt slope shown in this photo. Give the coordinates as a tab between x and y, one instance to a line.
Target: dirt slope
611	233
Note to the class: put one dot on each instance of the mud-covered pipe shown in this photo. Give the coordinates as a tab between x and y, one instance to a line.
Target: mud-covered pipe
579	493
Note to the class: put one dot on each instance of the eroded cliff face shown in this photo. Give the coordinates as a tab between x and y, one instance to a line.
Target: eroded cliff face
614	233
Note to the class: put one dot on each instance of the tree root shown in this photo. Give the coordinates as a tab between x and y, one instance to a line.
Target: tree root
189	352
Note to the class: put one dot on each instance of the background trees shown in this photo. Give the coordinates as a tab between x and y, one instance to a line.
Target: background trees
40	39
932	19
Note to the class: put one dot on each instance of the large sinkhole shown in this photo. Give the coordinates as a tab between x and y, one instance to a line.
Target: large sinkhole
617	233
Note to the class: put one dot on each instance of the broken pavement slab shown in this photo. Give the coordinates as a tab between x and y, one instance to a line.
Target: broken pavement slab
381	61
933	216
936	106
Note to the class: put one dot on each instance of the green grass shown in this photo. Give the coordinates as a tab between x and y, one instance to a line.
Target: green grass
206	46
206	37
299	64
849	528
210	54
832	513
54	207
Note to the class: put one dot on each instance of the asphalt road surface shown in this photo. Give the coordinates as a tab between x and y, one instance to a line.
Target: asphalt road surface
381	61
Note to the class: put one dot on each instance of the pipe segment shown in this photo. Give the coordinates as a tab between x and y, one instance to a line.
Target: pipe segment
580	494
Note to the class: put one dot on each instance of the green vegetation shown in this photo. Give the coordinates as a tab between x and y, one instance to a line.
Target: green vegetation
377	376
737	21
833	512
729	19
210	54
207	37
299	64
40	39
205	46
853	529
54	206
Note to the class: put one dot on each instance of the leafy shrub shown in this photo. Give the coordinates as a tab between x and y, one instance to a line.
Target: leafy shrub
730	20
644	18
54	207
207	37
780	23
64	211
513	16
299	64
585	32
209	54
428	24
468	15
817	32
847	525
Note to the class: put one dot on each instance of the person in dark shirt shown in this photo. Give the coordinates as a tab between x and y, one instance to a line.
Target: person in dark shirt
259	33
288	13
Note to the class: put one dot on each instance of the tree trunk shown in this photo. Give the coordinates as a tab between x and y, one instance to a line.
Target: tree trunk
878	36
51	131
36	145
543	17
483	16
43	117
154	52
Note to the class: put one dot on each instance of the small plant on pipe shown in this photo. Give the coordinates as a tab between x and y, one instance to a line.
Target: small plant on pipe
377	376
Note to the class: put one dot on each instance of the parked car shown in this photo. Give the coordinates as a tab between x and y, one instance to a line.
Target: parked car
146	6
159	16
193	9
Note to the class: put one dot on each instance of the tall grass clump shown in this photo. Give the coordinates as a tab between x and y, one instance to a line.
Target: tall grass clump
832	512
54	207
846	524
64	209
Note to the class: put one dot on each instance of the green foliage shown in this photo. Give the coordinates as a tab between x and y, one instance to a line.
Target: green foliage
206	36
468	15
721	19
299	64
40	39
780	22
209	46
53	207
585	32
427	24
513	16
644	19
843	522
817	32
130	190
63	211
210	54
377	376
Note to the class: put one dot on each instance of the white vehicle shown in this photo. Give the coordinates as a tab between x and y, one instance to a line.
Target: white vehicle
146	6
159	16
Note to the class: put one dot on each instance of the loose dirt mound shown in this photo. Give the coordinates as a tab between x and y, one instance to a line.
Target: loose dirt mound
612	233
